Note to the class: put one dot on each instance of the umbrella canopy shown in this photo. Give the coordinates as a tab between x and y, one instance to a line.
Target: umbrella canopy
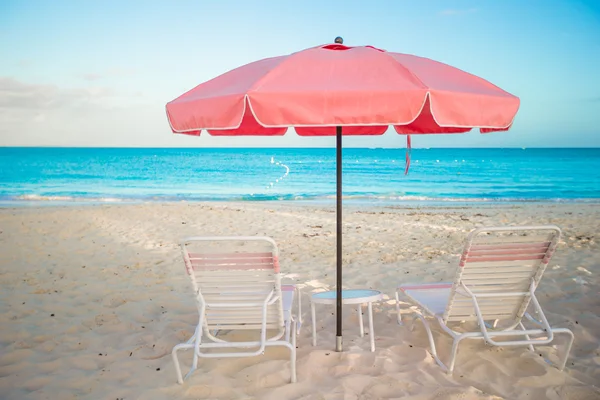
362	88
335	89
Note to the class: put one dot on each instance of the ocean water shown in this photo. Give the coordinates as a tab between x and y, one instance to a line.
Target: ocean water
75	175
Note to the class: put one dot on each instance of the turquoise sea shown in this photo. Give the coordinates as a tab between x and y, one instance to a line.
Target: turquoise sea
75	175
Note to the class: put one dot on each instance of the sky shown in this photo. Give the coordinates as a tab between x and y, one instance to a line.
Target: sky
99	73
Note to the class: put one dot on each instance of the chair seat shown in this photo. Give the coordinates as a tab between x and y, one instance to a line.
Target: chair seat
433	298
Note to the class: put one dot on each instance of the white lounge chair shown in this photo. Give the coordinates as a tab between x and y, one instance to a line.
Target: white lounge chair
499	270
237	290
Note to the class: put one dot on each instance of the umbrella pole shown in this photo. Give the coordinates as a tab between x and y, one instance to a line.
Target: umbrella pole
338	341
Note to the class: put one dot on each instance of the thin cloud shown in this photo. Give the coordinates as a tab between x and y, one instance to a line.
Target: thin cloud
52	115
17	95
92	77
111	73
456	12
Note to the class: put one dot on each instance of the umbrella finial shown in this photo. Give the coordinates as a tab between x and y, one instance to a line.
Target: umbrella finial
339	40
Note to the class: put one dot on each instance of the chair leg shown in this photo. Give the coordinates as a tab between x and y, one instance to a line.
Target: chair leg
399	316
531	348
430	337
299	321
196	355
563	360
183	346
178	347
190	344
456	341
293	355
287	328
194	343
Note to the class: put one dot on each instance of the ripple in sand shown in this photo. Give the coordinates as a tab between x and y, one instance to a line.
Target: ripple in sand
573	393
102	319
267	374
37	383
14	369
8	337
211	392
85	363
15	356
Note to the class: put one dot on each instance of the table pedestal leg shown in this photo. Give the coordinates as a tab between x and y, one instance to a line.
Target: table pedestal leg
371	332
314	323
360	321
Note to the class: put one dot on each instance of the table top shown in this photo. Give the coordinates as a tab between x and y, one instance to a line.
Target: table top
349	296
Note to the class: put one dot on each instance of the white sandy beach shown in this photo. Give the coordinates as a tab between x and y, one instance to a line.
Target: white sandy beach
93	298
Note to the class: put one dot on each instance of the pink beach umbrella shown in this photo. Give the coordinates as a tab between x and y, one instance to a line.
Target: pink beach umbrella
336	90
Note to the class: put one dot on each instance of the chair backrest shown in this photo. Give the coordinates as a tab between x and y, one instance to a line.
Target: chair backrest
235	270
501	260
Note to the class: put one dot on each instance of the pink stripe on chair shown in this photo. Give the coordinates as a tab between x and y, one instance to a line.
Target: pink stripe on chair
505	252
514	257
235	261
477	253
510	246
218	256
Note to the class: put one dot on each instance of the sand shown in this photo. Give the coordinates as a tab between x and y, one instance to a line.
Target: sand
93	298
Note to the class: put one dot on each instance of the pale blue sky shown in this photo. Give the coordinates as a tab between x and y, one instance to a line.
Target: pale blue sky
98	73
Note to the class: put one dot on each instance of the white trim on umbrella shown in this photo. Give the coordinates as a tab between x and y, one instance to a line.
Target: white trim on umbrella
388	123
